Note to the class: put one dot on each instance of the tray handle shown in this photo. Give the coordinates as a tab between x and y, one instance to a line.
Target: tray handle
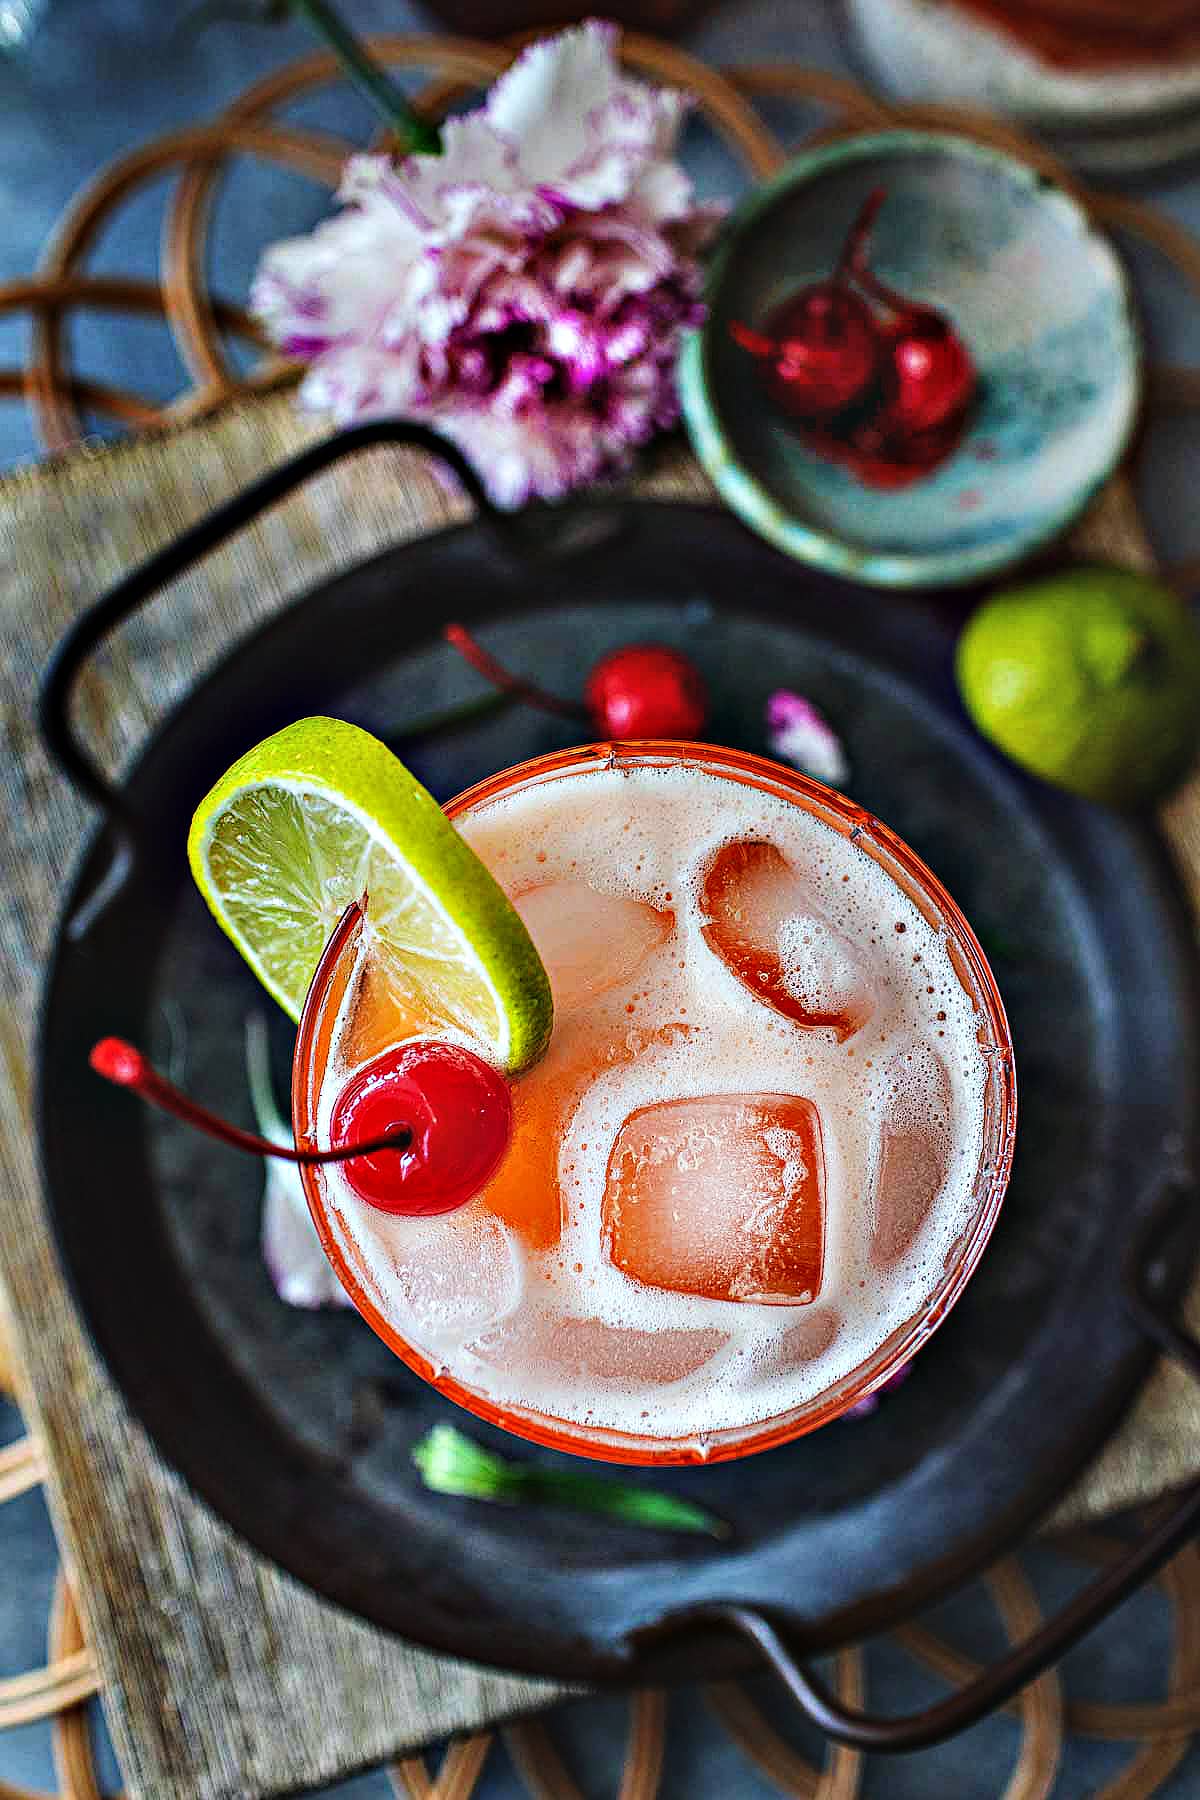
536	531
1145	1279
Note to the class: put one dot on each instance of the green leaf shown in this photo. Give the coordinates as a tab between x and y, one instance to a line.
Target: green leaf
450	1463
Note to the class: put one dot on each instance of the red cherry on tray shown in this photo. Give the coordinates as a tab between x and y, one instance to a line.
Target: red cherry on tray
458	1111
647	691
639	691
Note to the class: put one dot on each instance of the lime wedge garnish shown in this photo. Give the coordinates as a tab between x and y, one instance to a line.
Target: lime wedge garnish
323	813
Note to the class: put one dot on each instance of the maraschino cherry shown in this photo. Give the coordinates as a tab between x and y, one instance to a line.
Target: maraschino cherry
819	350
456	1110
647	691
929	377
420	1130
639	691
901	408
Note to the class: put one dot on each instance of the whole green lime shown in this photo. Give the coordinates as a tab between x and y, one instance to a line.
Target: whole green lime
1089	678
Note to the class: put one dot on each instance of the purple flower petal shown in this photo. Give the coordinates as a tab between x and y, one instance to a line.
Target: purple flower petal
862	1409
799	734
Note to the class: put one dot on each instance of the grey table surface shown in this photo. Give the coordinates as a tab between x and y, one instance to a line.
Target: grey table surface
93	78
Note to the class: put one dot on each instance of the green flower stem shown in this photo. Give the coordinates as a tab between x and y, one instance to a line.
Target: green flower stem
452	1464
414	133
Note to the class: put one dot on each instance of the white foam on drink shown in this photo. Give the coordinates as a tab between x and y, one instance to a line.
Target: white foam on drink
818	970
649	835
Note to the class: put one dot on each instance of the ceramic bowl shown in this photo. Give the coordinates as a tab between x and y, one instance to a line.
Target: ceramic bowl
1040	298
1108	118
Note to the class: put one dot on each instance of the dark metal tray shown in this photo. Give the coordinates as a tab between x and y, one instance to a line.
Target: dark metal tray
297	1427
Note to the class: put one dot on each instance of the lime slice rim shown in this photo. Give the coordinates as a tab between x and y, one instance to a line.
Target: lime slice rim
501	1000
302	788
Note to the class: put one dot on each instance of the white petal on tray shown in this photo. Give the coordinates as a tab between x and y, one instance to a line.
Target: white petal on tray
299	1269
296	1263
801	735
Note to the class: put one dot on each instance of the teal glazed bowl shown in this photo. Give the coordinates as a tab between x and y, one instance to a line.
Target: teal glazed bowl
1040	298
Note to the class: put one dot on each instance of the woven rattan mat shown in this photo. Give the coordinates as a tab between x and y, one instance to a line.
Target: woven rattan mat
222	1677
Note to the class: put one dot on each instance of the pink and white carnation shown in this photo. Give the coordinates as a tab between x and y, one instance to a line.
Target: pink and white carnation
525	291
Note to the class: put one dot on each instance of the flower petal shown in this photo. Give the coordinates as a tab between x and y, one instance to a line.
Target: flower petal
801	735
298	1267
862	1409
525	291
292	1251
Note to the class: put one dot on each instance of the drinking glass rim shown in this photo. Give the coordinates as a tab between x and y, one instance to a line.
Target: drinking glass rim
909	872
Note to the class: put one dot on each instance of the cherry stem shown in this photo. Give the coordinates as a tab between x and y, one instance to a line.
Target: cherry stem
753	341
903	305
853	259
125	1066
508	683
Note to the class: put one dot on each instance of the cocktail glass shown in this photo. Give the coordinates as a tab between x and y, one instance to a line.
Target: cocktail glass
918	883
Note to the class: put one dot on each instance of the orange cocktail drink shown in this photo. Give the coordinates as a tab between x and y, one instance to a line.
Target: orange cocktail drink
763	1151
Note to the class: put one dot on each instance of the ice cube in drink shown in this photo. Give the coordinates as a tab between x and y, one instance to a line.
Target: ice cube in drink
914	1149
721	1196
450	1278
589	941
766	923
585	1350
